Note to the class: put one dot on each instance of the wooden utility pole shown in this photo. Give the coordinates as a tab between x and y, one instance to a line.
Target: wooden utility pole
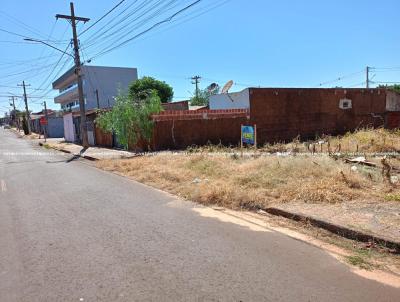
28	116
47	121
367	74
73	19
97	99
196	81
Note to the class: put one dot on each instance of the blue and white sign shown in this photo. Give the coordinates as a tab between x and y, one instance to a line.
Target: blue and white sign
248	135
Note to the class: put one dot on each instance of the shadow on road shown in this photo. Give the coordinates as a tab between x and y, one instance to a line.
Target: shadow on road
75	157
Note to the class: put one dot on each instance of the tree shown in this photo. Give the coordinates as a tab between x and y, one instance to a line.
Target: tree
130	118
140	88
203	97
395	88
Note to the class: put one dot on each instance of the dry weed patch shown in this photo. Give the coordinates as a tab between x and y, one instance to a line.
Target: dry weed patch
254	181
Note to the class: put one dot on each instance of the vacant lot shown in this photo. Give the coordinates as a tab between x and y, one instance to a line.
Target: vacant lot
235	182
211	175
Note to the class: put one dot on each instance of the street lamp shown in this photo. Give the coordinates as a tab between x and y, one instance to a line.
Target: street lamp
42	42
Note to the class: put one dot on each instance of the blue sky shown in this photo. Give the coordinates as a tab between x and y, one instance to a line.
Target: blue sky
286	43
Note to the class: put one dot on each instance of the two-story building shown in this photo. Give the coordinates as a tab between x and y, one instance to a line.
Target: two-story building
101	85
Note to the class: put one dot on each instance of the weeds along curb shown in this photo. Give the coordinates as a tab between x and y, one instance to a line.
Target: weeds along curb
337	229
61	150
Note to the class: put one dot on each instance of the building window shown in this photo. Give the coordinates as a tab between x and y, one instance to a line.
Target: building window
345	104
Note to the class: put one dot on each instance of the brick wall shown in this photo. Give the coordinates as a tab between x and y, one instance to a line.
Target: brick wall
282	114
182	105
392	120
180	129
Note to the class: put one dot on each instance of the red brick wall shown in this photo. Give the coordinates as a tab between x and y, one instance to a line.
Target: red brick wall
182	105
282	114
392	120
179	130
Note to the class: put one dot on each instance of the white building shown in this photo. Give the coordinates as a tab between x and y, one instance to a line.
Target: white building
106	81
235	100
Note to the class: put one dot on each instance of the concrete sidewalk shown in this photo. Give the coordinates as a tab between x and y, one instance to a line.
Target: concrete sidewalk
91	153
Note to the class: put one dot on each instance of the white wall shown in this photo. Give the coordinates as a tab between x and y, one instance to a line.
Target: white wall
69	129
236	100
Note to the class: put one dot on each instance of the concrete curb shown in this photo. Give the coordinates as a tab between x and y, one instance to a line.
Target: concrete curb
69	152
337	229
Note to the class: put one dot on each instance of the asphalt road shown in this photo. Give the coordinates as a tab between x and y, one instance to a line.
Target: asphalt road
69	232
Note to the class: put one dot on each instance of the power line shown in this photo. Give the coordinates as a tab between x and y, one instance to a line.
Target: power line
27	71
194	15
54	78
15	42
12	33
25	36
105	51
385	68
54	68
338	79
381	82
22	24
24	62
126	25
116	20
105	15
31	97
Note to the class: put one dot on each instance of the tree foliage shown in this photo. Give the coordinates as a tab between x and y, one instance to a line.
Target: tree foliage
395	88
130	118
202	98
140	88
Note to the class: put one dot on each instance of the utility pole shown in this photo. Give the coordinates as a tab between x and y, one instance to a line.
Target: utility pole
47	121
15	111
77	59
367	73
196	81
97	99
28	117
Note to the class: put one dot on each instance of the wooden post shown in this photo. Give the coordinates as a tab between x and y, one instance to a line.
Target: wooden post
241	141
255	136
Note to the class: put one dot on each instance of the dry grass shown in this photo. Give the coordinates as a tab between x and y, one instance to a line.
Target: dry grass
370	141
362	141
254	182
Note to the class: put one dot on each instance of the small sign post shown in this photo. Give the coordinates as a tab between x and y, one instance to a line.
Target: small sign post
248	136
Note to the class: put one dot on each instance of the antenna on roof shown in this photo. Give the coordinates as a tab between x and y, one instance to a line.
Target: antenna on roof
213	88
227	86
